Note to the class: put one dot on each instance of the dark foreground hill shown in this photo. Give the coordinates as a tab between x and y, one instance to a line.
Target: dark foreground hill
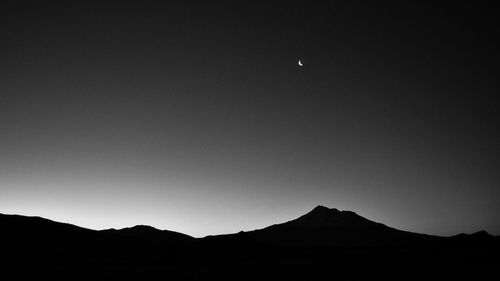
324	244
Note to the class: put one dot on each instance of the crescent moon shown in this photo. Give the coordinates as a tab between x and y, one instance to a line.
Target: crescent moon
300	63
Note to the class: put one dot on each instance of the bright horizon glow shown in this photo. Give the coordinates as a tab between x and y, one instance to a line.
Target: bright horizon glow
177	211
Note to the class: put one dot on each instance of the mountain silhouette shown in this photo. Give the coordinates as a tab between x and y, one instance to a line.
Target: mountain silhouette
149	233
34	240
324	217
331	227
323	244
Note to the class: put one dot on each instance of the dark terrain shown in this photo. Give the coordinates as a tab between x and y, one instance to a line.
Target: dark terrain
324	244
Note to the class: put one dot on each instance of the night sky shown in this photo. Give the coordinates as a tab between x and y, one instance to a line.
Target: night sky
196	117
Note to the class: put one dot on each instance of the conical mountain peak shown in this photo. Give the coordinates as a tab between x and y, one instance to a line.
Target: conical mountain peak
322	216
322	209
330	226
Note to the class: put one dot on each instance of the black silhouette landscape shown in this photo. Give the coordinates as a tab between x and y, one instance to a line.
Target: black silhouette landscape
324	244
192	140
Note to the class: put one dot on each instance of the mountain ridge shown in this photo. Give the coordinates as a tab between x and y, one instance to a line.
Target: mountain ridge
319	217
319	245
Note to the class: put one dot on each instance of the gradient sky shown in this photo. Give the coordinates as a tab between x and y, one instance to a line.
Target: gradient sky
195	117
